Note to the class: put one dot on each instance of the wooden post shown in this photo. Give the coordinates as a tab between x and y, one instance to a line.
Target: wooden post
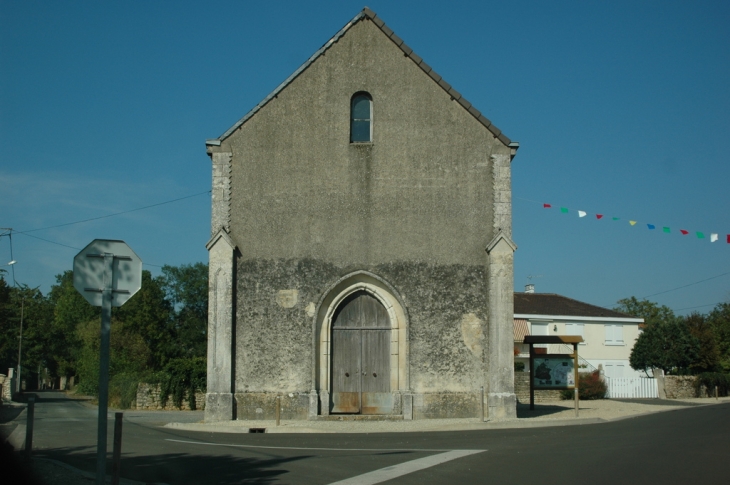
278	410
117	450
482	404
576	377
29	427
715	393
532	379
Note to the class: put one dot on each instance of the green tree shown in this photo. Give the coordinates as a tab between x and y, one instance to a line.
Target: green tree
665	345
186	287
8	328
648	310
37	315
708	358
719	320
70	310
128	353
148	314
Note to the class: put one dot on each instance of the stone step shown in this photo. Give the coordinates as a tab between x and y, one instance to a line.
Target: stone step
361	417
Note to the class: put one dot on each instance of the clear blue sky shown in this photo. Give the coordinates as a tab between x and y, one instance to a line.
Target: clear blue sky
621	108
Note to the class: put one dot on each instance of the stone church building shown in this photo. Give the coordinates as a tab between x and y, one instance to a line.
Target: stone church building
361	254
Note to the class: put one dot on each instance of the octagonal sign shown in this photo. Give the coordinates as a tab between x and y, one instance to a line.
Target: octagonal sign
91	267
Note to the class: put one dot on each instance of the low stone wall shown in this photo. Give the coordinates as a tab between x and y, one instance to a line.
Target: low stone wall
683	387
148	397
522	390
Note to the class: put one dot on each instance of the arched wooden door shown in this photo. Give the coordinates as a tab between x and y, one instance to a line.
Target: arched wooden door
361	357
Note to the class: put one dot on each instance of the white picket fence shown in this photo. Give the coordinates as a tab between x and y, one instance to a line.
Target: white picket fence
631	388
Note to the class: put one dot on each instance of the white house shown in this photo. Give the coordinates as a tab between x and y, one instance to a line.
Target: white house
608	335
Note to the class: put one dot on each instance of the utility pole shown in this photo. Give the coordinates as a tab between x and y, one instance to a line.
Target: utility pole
20	342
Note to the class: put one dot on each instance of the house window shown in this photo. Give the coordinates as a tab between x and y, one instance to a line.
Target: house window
361	118
575	329
614	334
542	330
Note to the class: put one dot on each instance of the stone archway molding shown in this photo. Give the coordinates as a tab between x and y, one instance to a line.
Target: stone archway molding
322	331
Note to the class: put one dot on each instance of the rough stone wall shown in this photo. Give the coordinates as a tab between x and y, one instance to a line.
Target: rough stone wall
522	390
275	307
148	398
680	387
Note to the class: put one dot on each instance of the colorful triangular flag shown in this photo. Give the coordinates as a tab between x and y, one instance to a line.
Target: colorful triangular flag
728	238
684	232
633	223
651	226
713	237
546	206
666	229
616	218
598	216
581	214
700	235
564	210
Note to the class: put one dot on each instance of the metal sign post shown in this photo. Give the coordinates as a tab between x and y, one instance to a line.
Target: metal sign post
107	273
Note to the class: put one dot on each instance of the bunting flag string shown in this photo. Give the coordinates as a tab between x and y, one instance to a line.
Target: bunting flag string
714	236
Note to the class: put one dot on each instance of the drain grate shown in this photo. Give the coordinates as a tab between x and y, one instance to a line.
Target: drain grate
257	430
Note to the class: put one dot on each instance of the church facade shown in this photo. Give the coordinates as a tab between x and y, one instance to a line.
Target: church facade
360	254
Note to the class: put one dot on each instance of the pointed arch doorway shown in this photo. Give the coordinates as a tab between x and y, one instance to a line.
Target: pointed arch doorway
361	374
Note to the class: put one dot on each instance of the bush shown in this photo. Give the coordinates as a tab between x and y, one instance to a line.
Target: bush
123	390
182	376
519	367
590	385
710	380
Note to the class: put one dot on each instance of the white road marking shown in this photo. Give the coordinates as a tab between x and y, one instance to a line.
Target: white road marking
396	471
315	449
17	437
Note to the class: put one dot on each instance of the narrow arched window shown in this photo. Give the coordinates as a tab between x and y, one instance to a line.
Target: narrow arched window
361	118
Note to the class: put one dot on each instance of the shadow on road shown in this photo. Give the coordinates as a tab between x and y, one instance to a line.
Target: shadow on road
49	396
9	413
182	468
523	410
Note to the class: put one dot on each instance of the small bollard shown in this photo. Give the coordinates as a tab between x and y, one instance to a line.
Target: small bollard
278	410
117	451
29	428
716	393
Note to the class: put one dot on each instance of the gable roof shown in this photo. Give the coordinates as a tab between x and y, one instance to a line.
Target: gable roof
545	304
367	14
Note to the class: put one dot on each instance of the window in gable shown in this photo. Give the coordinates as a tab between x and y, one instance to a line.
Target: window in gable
361	118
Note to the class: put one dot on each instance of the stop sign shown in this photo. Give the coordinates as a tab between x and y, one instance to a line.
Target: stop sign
90	278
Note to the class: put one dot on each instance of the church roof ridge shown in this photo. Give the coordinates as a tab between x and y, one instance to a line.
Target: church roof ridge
367	13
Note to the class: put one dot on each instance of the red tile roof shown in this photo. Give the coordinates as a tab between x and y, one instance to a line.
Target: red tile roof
553	304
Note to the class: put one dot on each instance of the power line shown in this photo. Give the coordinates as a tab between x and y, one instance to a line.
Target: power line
112	215
74	247
685	286
26	232
698	306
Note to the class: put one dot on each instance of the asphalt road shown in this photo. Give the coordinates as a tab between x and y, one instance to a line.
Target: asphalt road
685	446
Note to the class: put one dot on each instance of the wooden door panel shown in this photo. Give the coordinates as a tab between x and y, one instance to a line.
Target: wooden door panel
377	403
346	369
375	360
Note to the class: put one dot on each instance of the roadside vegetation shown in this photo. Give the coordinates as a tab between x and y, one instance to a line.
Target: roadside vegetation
157	337
696	344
